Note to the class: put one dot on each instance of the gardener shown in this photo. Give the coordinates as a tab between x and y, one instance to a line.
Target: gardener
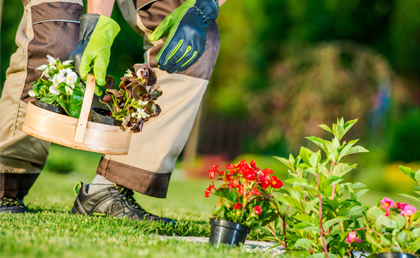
183	61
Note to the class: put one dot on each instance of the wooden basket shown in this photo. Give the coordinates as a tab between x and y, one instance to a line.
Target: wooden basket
76	133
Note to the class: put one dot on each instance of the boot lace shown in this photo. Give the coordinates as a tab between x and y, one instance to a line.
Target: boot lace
11	202
129	196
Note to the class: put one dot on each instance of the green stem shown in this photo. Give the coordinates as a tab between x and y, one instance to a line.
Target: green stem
321	232
331	170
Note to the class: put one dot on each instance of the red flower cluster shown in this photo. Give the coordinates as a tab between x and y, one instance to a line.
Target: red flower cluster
208	190
253	175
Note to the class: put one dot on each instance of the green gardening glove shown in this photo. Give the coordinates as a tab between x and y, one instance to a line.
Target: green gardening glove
187	28
97	32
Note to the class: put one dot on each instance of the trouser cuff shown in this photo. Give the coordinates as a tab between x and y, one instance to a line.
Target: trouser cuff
139	180
16	185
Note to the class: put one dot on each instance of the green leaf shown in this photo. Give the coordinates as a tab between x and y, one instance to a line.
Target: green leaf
385	222
343	152
74	111
286	162
415	216
415	246
306	154
361	192
413	198
332	222
417	176
354	210
306	218
65	105
408	171
295	194
337	131
50	98
228	194
400	220
385	241
343	168
62	87
76	98
307	226
322	255
326	128
372	240
289	201
315	158
318	141
402	237
303	243
356	149
358	185
297	181
332	180
348	125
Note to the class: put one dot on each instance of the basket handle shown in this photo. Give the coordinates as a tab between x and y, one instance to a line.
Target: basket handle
84	113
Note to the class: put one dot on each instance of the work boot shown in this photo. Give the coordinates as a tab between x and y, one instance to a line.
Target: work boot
12	205
115	200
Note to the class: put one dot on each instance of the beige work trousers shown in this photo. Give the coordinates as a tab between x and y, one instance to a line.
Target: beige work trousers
52	27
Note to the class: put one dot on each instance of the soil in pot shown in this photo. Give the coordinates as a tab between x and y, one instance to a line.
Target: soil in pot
227	232
103	116
394	255
56	109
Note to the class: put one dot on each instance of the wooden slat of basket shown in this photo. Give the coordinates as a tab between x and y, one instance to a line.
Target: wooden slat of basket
84	113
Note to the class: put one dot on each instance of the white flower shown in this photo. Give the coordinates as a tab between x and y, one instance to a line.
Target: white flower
69	91
54	90
48	71
71	79
31	93
62	72
128	73
142	114
58	79
42	67
67	62
69	70
51	60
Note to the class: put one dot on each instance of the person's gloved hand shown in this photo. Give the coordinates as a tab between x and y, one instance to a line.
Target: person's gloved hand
187	27
97	32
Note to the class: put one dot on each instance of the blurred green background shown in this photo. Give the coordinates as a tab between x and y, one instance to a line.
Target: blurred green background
283	68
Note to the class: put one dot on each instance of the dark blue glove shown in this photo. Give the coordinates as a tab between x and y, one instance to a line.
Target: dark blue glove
187	28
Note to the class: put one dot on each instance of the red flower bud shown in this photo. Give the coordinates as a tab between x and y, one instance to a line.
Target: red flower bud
258	210
237	206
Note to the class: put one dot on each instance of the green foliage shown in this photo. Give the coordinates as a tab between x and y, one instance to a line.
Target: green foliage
319	214
415	175
133	104
392	232
62	87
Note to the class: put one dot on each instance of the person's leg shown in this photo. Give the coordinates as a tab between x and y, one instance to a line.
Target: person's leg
47	27
148	166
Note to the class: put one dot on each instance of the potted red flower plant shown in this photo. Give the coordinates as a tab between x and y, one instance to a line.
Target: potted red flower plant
245	201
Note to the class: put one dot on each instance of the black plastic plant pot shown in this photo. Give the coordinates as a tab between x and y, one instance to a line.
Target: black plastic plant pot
103	116
394	255
227	232
56	109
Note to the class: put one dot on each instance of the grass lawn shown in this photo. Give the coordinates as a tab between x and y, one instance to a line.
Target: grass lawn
49	230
